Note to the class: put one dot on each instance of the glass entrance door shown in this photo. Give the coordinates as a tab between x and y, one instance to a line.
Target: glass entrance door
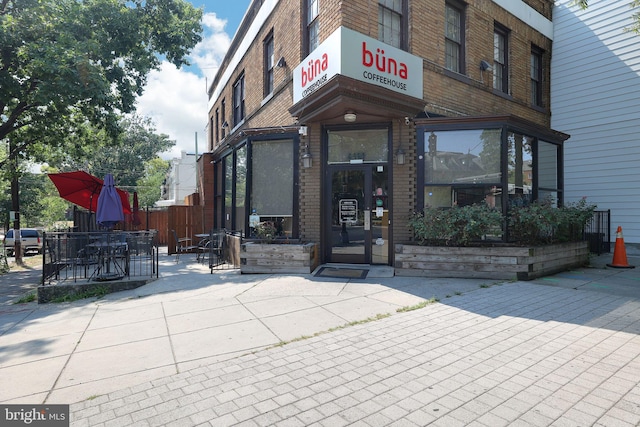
358	222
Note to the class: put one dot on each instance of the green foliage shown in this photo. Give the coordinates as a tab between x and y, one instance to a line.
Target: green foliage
536	224
458	226
149	186
542	223
584	4
266	231
69	62
125	158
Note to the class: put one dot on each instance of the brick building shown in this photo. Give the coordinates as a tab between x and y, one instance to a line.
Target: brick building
338	119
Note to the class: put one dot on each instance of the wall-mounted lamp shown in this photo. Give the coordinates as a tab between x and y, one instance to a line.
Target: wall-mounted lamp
400	154
281	62
307	159
302	130
225	124
485	66
350	116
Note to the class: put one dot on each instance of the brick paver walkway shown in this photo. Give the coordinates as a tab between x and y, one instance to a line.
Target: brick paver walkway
518	354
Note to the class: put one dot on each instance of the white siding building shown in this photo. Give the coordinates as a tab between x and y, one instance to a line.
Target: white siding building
595	98
180	181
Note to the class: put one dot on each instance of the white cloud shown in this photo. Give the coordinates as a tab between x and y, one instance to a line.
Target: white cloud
176	100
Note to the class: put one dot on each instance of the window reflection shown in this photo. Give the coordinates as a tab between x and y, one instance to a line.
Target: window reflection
464	156
520	164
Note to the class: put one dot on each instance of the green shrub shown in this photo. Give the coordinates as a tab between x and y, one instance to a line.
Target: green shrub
266	231
458	226
536	224
542	223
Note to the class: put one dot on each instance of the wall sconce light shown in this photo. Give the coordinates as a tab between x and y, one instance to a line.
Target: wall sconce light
225	124
485	66
400	155
307	159
350	116
281	62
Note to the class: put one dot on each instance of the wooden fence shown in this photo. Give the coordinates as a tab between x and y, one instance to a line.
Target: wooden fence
187	221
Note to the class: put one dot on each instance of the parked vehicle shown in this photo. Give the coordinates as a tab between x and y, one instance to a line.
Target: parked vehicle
30	238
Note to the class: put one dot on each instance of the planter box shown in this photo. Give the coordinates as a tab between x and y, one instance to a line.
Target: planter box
278	258
509	263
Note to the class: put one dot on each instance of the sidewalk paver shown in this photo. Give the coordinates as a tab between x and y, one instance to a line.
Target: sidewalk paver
195	348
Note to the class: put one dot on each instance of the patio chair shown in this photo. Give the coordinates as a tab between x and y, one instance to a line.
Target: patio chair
183	244
216	249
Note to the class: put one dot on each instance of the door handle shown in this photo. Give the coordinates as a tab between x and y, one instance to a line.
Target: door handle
367	219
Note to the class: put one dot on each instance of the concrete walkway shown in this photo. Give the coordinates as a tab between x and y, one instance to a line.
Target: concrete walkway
197	348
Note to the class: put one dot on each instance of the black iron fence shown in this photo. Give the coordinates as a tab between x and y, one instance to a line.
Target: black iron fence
598	232
99	256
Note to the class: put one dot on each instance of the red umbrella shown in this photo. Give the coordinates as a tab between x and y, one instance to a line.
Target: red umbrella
135	216
83	189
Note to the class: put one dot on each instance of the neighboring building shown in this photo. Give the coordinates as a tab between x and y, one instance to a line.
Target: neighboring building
180	181
338	119
595	76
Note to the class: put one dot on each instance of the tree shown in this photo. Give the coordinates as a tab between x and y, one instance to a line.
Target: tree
149	186
63	62
125	159
584	4
67	62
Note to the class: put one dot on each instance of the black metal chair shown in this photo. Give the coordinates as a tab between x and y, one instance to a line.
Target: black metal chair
217	249
183	245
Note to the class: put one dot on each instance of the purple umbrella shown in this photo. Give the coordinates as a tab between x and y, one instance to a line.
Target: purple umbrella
109	211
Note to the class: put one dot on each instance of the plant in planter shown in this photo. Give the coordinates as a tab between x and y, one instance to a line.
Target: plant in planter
458	226
266	231
467	242
541	223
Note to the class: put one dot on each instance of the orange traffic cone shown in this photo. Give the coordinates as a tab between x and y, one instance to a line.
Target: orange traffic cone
619	253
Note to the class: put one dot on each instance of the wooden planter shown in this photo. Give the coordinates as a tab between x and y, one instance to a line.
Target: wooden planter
510	263
278	258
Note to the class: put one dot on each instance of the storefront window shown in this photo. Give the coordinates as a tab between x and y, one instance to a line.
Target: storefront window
498	164
462	167
520	163
272	189
228	191
463	156
548	171
241	188
358	146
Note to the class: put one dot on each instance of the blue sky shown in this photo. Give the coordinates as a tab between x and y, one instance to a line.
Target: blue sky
176	99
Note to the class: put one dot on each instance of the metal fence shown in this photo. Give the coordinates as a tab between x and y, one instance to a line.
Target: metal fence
598	232
99	256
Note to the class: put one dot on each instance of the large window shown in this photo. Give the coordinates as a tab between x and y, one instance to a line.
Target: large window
268	64
228	192
272	187
313	24
390	22
536	76
358	146
462	167
500	59
548	181
454	37
240	189
497	165
520	166
258	184
238	100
